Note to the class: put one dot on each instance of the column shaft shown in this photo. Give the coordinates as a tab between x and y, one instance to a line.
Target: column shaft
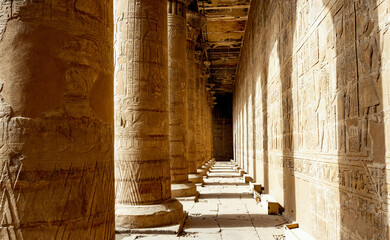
178	112
142	172
198	119
194	21
56	120
191	86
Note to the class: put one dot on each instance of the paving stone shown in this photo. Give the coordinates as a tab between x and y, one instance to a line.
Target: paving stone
239	235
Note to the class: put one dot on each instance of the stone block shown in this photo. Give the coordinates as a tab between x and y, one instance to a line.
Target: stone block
247	178
241	172
294	232
256	187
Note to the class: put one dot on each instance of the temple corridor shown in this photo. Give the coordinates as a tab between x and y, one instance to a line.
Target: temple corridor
225	210
204	119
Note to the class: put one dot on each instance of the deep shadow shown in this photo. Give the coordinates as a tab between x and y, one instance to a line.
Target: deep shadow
232	221
226	196
224	184
223	128
223	171
225	176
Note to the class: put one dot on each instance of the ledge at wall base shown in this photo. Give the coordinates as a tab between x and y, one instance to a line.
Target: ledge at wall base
294	232
247	178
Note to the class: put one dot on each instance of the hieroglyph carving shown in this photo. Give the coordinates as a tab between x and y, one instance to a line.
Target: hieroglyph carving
56	141
321	90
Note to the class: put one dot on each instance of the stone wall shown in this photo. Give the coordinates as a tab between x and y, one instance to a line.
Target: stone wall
310	112
222	129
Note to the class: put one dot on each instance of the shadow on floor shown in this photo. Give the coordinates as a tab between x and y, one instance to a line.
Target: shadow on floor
225	183
226	196
224	176
234	221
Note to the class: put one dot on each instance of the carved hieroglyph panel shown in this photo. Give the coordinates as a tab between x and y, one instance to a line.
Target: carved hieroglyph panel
323	98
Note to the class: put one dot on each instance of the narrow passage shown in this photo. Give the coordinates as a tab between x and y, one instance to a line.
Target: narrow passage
226	210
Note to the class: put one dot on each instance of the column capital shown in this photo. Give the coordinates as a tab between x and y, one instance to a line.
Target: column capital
195	21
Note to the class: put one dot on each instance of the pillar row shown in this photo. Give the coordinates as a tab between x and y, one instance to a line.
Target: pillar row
142	169
194	23
199	136
178	112
204	115
56	120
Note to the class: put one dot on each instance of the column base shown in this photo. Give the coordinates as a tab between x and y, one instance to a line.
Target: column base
183	189
202	171
166	213
195	178
208	166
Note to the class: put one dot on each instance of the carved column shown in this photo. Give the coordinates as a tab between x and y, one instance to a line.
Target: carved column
208	130
211	136
203	115
194	22
198	120
142	172
210	126
56	74
178	115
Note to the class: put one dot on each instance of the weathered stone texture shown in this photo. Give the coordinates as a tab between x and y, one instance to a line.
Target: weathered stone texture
194	22
178	111
56	108
198	110
142	171
191	108
177	69
310	112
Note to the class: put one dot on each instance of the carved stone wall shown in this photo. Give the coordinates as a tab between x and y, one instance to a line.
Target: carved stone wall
310	112
222	129
56	120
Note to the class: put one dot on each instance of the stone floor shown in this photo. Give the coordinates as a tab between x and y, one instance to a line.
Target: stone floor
226	210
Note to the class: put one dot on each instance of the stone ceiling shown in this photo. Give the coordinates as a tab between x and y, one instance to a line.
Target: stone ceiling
224	32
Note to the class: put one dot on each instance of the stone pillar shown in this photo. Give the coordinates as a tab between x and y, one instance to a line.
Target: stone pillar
178	112
211	135
204	116
199	119
194	22
208	156
56	120
209	127
211	131
142	172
